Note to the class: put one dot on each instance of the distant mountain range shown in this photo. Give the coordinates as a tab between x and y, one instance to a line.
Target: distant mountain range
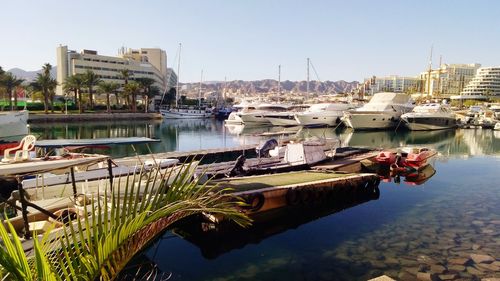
269	85
30	75
240	86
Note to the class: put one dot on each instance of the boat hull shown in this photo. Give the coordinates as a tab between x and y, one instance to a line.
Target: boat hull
282	121
254	118
365	120
317	120
429	123
13	123
185	114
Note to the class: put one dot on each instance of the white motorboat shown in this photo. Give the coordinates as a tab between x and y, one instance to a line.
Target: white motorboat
13	123
283	119
259	115
383	111
322	114
497	126
286	118
234	117
430	116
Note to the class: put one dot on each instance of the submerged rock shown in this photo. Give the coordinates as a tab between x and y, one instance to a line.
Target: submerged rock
477	258
459	261
427	277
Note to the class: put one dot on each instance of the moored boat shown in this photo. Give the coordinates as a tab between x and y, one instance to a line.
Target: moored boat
323	114
411	157
430	116
13	123
381	112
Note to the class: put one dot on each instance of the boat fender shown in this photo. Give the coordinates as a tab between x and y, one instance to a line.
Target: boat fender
254	201
292	197
372	183
305	195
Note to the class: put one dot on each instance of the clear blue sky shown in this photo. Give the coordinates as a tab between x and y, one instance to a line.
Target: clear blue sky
248	39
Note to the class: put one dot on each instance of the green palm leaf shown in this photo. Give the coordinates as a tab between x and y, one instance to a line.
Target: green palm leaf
119	224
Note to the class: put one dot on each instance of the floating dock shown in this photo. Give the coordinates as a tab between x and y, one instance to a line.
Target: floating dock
267	192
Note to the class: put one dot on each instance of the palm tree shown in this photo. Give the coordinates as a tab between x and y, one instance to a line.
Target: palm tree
126	74
75	83
91	80
108	88
146	84
10	82
99	245
45	84
131	91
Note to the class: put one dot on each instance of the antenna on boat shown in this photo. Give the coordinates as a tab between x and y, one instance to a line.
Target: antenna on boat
279	82
199	90
307	83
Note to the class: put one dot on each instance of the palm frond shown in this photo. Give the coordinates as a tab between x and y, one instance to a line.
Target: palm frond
117	225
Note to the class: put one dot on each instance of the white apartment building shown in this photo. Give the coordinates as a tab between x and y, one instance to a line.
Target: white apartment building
392	83
144	62
486	83
448	79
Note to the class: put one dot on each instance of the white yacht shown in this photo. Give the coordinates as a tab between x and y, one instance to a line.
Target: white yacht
286	118
430	116
259	115
234	117
381	112
323	114
13	123
186	113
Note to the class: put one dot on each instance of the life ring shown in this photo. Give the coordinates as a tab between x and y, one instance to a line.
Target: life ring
254	201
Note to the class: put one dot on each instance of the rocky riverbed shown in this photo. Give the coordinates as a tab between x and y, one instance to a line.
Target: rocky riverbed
452	238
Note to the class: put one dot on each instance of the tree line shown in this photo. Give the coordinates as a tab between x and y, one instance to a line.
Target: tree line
81	88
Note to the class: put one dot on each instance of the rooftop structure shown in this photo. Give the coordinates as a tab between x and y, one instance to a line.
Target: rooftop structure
486	83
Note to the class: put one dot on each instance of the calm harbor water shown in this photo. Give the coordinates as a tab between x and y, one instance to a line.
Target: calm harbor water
430	225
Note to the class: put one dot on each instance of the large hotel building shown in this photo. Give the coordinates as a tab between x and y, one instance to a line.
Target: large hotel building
144	62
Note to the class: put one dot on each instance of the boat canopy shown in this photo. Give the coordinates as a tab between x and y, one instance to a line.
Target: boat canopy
41	165
57	143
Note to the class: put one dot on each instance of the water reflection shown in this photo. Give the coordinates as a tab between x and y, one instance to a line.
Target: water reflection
217	241
196	134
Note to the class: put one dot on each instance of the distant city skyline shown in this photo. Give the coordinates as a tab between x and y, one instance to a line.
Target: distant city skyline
247	40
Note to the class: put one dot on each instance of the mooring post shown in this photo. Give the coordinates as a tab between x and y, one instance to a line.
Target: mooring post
73	182
110	171
24	207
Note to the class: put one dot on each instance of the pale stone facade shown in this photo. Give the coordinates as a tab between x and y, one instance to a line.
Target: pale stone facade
145	62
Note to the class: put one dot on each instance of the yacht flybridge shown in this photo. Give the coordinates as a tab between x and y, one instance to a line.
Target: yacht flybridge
383	111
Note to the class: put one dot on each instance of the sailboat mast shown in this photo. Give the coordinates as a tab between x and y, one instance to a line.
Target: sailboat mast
224	91
199	90
438	92
429	75
307	83
279	82
178	77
